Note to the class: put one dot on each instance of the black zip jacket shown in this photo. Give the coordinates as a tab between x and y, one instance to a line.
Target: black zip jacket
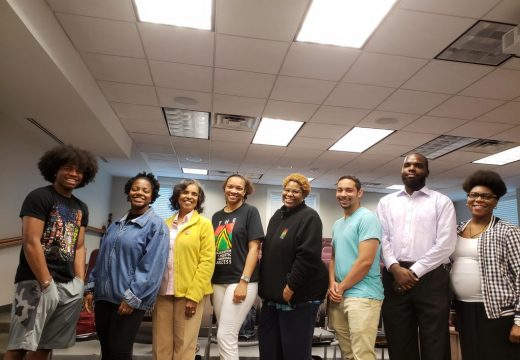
291	255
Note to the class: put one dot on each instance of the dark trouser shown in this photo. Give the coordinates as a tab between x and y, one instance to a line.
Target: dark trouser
482	338
116	333
416	323
286	335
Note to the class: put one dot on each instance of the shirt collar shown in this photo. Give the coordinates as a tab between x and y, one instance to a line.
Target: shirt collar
141	220
424	190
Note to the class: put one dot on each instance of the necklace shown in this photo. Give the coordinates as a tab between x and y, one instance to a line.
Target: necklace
482	229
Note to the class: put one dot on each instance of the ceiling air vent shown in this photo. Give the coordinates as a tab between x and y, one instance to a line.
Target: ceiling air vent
235	122
489	146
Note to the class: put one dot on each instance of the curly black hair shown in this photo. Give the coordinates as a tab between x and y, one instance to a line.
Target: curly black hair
180	187
62	155
248	184
147	176
488	179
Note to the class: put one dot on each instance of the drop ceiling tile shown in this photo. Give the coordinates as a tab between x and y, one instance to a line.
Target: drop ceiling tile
318	61
181	76
512	134
230	136
145	127
102	36
513	64
507	114
243	83
167	97
408	138
301	90
162	42
118	69
333	159
358	96
387	120
138	112
289	110
446	76
117	10
187	145
507	11
434	125
501	84
302	142
389	149
323	131
129	93
237	105
247	54
463	107
155	148
335	115
225	146
413	102
151	139
416	34
275	20
368	162
465	8
479	129
383	70
295	153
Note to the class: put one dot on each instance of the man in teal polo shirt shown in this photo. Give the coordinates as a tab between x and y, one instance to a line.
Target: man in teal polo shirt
355	287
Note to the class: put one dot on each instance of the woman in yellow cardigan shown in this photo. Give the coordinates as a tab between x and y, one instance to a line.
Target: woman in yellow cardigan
186	281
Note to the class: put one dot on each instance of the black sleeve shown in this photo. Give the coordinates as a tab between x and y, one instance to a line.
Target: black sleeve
308	251
37	204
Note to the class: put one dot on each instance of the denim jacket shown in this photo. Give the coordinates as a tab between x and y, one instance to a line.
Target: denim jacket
132	258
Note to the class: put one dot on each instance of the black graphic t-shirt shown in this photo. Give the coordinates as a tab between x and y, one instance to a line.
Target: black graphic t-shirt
63	218
233	231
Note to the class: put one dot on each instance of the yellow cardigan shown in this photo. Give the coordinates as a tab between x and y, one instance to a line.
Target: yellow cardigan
193	258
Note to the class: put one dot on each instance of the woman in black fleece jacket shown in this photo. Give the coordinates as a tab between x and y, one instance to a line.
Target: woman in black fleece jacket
293	279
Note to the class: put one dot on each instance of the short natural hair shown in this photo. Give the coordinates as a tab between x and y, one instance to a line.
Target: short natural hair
156	186
248	185
180	187
353	178
419	155
301	180
488	179
62	155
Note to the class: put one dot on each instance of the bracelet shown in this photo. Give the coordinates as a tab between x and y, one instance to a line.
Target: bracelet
45	284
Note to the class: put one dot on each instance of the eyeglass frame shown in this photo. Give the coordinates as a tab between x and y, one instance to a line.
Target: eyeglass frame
484	196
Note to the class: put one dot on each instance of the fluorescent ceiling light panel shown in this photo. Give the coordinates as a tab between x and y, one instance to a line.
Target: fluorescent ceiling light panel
359	139
195	14
502	158
310	179
194	171
442	145
276	131
343	22
187	123
395	187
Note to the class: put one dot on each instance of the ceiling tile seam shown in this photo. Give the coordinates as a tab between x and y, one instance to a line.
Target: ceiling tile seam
465	96
438	14
492	8
98	17
254	38
489	111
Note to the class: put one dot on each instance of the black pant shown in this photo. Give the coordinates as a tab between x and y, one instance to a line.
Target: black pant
482	338
416	323
286	335
116	332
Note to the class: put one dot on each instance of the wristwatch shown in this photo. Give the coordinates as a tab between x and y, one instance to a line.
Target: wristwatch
246	278
517	321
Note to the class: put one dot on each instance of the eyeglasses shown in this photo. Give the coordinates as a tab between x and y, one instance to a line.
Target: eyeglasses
483	196
294	192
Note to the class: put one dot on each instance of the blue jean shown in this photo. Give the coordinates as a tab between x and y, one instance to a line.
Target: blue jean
286	335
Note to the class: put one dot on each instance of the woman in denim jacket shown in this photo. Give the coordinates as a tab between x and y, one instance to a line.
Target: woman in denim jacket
128	271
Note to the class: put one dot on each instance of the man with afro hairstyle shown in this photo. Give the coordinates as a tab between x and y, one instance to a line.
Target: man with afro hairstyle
49	279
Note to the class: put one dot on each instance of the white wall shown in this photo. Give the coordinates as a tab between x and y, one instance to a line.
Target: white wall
329	208
21	145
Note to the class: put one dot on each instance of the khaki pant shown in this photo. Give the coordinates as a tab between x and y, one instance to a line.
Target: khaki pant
355	321
174	334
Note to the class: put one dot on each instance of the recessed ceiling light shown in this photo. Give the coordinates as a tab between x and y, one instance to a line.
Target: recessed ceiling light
343	22
276	131
502	158
359	139
194	171
310	179
395	187
442	145
195	14
185	100
187	123
194	159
